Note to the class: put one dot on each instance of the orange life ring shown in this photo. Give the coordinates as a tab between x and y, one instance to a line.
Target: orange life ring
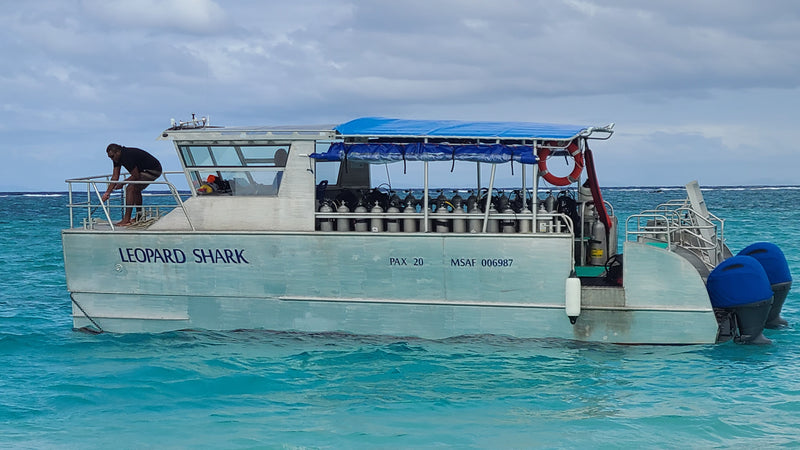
573	150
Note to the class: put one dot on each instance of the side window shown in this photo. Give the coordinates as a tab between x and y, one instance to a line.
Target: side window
235	169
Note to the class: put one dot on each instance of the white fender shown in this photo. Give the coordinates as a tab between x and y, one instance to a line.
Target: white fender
573	298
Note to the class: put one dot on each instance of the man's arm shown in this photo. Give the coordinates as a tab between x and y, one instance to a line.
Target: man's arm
112	186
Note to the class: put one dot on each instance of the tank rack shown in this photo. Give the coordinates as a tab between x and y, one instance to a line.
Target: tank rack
378	211
449	222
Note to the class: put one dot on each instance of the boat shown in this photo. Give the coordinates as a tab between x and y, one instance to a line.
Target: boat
288	228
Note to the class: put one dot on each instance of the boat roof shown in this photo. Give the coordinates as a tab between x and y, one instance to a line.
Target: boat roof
388	127
384	127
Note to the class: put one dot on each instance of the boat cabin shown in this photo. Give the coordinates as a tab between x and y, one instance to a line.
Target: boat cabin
322	178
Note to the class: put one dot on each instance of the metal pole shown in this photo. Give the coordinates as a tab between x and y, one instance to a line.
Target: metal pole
535	197
489	199
425	200
535	193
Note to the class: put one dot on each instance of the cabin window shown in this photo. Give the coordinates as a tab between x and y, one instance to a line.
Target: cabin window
227	169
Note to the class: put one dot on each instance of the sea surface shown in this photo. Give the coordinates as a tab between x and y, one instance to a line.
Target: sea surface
61	388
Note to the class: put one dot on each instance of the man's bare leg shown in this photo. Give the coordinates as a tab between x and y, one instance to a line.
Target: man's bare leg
133	199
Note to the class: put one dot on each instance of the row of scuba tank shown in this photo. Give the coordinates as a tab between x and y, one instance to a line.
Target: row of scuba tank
443	210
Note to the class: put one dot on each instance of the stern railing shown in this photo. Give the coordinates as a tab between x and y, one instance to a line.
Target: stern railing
676	223
84	203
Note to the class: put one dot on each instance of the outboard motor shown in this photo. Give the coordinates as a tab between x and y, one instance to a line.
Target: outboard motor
780	278
741	296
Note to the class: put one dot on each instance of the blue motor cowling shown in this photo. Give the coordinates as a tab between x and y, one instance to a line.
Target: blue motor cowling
741	295
780	278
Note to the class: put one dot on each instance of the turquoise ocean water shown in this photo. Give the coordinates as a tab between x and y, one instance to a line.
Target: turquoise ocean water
258	389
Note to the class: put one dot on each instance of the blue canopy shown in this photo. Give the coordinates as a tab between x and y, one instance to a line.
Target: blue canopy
399	140
386	127
381	153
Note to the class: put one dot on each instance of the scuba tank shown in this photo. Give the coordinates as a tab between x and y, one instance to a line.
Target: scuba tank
410	223
597	243
327	223
393	224
508	225
361	222
474	224
494	224
589	218
459	223
550	202
525	221
504	205
343	223
376	222
440	223
543	224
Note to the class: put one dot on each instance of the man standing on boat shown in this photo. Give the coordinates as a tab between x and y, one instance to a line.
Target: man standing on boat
141	166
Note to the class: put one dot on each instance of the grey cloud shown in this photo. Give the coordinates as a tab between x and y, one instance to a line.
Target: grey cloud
126	67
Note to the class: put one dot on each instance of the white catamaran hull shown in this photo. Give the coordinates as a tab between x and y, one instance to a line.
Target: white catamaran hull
300	229
429	286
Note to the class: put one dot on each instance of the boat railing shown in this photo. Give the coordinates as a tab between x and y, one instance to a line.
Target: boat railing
444	222
679	224
85	199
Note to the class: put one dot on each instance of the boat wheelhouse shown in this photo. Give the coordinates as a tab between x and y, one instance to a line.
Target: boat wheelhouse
290	229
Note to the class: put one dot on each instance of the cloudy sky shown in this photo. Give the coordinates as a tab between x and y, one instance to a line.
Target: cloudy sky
704	90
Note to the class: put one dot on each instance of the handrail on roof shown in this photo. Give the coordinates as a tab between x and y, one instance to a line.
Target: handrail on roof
377	127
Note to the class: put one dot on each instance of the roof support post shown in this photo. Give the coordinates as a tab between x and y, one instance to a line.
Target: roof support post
478	168
425	200
489	199
535	193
